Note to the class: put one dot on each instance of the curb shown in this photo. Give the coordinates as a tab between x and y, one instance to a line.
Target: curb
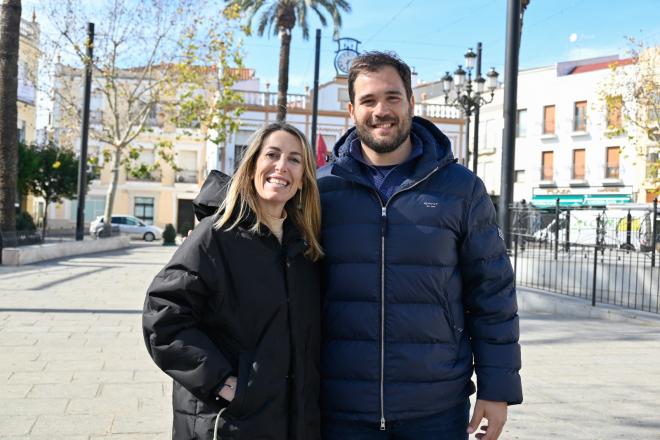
536	300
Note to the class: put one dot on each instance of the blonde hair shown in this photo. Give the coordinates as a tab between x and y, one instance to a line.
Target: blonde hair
304	209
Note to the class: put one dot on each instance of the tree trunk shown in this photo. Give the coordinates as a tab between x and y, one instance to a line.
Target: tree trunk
283	78
10	22
45	222
110	198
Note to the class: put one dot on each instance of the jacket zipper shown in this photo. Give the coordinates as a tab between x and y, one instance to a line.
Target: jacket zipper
383	226
383	231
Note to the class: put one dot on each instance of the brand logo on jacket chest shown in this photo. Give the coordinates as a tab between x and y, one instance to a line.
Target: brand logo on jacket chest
431	204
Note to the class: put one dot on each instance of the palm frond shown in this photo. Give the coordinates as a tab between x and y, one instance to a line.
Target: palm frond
266	19
301	12
322	19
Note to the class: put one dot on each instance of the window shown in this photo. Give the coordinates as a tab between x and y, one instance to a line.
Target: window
580	116
21	131
521	123
578	165
144	209
487	138
612	167
547	171
239	151
519	176
614	107
132	222
94	207
343	98
152	119
549	119
187	161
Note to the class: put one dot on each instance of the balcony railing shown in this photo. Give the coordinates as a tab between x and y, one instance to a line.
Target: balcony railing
547	174
437	111
268	99
186	176
304	102
154	176
578	173
611	172
96	117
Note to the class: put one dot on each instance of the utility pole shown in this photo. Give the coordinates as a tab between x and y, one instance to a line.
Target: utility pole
475	148
82	164
513	31
315	105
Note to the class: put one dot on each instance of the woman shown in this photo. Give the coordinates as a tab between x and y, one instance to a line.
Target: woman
234	317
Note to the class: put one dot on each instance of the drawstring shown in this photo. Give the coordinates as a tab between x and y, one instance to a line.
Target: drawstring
217	419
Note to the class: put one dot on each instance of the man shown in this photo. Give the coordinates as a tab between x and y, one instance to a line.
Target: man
418	286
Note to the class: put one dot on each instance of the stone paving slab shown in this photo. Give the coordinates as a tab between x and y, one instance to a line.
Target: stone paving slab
73	364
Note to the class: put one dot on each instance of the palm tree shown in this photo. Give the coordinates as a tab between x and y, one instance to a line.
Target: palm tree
284	14
10	22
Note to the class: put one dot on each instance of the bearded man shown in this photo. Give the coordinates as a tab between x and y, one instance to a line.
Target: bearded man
418	287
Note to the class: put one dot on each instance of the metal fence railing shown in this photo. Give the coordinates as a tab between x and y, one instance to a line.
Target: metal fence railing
606	256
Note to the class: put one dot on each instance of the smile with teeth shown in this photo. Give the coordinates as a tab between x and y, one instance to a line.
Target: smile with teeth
383	125
277	181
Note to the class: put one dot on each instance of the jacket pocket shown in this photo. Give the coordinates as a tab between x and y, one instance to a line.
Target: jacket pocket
245	360
456	331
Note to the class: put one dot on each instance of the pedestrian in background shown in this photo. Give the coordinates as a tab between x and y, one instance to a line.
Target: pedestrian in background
234	317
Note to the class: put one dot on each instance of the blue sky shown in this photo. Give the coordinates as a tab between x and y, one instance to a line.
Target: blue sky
433	35
433	39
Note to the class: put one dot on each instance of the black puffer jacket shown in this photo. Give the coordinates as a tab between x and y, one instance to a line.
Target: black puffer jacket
238	303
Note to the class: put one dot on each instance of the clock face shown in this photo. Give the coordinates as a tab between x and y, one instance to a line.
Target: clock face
343	60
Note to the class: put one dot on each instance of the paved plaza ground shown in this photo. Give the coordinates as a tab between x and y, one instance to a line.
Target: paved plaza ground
73	363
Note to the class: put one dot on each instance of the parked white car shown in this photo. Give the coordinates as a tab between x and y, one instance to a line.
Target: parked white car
127	224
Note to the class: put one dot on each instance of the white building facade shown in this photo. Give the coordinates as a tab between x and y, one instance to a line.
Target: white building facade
569	143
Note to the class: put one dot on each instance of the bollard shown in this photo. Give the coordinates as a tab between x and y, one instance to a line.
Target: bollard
593	287
556	228
567	243
515	260
628	231
654	231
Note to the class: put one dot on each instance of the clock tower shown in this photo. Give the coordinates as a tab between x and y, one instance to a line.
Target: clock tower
347	49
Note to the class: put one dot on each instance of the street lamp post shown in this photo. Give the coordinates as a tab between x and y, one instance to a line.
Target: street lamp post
469	95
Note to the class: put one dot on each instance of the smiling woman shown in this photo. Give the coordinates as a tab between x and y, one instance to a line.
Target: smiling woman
278	172
272	155
234	317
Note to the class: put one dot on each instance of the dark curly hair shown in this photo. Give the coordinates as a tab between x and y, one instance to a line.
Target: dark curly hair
374	61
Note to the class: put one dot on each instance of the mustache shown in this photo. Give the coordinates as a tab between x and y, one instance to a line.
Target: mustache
384	120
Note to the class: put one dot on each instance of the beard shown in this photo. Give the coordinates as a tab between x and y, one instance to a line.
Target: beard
385	144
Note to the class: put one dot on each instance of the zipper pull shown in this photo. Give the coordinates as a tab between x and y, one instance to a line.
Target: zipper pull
383	221
382	419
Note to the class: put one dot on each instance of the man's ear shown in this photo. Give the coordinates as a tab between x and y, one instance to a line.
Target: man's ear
351	111
412	102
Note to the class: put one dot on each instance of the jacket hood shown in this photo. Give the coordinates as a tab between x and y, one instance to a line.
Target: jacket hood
211	195
436	145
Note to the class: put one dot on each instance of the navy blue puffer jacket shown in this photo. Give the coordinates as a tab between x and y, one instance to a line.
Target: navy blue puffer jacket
418	291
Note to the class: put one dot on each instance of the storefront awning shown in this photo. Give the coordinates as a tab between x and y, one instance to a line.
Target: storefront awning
607	199
568	200
550	200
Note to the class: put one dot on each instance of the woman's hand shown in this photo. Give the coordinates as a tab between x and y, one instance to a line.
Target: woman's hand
228	391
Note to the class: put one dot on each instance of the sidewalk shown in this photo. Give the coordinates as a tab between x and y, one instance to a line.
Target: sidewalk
73	364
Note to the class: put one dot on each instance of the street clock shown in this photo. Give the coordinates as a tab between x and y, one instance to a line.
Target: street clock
347	50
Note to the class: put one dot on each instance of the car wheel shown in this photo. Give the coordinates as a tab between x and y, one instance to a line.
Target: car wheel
149	236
